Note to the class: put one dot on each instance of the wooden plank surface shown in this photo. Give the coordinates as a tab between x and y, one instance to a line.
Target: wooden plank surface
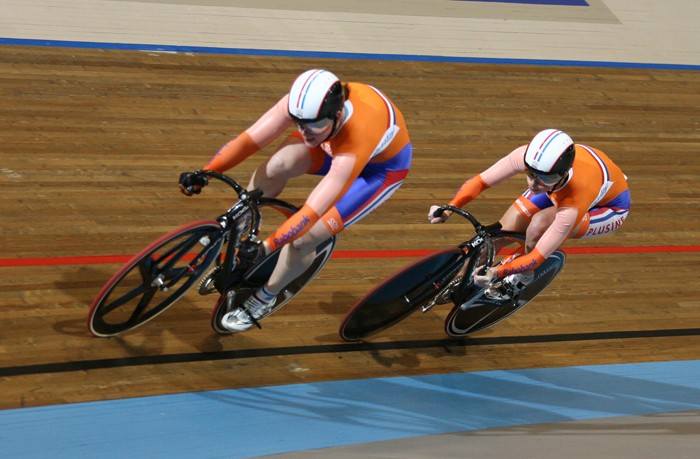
92	143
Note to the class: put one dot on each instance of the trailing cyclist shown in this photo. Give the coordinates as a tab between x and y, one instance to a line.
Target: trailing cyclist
574	191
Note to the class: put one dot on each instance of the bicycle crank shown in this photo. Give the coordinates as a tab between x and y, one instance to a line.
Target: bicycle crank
206	285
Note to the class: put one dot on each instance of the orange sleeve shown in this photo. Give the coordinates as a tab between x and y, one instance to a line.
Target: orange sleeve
233	153
521	264
295	227
469	191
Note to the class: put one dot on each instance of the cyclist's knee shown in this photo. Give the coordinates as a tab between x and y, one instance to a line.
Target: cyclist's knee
290	160
513	220
535	231
303	245
272	176
308	242
540	222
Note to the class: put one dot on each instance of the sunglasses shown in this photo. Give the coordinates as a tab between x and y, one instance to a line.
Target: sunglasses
543	179
314	127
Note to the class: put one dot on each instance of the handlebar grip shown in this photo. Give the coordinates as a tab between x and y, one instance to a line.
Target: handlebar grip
257	193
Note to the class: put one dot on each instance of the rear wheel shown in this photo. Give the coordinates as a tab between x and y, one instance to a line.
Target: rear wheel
484	313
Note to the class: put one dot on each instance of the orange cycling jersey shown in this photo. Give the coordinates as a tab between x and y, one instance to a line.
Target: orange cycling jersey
594	181
373	131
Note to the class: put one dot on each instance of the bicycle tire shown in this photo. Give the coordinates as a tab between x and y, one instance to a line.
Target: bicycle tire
485	313
261	273
401	294
132	296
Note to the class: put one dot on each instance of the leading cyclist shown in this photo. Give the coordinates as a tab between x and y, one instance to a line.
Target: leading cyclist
351	134
574	191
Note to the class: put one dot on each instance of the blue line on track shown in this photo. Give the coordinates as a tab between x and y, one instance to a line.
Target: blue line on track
338	55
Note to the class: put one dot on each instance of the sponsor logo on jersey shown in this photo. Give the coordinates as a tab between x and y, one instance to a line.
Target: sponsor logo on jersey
607	228
333	223
522	207
527	267
293	231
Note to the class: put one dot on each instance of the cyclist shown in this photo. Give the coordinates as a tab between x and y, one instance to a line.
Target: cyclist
351	134
574	191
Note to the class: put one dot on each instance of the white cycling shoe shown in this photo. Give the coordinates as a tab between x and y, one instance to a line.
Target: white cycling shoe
240	320
509	287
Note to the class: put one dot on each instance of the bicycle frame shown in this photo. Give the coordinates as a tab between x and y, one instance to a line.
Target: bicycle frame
163	271
483	239
443	277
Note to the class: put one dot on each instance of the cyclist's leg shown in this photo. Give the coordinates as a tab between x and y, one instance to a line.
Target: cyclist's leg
373	187
377	183
605	219
531	214
296	257
291	159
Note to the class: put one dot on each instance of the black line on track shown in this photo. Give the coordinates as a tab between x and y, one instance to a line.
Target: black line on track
97	364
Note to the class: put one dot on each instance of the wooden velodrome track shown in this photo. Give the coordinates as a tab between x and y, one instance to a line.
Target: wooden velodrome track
93	142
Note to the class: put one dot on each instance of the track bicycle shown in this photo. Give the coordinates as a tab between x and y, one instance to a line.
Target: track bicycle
222	254
447	277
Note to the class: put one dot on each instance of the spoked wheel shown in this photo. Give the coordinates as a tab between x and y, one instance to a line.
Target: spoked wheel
259	274
484	313
398	296
155	278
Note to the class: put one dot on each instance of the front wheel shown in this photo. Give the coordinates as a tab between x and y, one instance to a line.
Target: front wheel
401	294
155	278
484	313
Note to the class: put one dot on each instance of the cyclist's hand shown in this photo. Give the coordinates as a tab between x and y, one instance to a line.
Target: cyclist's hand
484	280
192	183
433	219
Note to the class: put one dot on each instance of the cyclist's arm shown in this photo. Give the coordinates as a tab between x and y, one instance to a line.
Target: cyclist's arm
503	169
344	170
267	128
551	240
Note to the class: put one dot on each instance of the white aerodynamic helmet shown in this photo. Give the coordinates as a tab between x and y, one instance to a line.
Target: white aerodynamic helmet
550	154
315	94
